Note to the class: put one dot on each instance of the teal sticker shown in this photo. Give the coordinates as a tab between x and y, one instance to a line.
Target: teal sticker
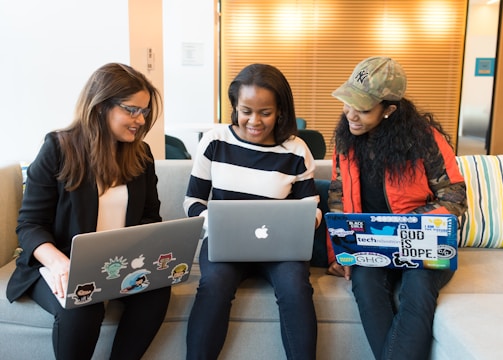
346	259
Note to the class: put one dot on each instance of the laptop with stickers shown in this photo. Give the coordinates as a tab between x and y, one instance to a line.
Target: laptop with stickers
115	263
261	230
402	241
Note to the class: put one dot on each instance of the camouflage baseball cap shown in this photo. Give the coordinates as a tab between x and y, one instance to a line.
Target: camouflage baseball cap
373	80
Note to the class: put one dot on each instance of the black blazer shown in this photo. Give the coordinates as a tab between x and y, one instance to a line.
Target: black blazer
49	213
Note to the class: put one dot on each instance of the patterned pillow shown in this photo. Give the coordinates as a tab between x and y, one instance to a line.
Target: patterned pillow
482	225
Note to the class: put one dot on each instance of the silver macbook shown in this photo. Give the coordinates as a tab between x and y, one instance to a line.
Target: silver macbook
115	263
261	230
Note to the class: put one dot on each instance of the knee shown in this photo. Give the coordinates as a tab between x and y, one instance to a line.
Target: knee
216	289
369	291
299	291
422	301
92	315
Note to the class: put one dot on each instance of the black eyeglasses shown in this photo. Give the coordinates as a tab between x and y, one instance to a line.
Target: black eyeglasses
135	111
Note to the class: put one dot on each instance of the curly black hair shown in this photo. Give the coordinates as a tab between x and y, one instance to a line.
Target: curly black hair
405	137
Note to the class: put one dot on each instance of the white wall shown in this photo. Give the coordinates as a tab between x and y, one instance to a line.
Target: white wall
189	89
48	49
476	97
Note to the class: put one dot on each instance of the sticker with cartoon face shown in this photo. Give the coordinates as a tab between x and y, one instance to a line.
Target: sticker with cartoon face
135	282
163	261
178	272
83	293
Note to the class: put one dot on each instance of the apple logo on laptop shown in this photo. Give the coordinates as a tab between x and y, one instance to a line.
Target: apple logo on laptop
261	232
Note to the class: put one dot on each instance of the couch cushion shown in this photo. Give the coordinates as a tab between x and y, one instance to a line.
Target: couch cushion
465	334
477	273
255	301
173	178
482	226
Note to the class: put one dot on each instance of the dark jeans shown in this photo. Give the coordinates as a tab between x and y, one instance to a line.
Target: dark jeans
209	318
76	331
404	330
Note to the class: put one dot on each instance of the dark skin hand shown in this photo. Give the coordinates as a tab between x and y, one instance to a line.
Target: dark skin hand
338	270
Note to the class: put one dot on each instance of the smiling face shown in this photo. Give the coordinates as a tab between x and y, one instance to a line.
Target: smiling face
123	126
257	113
361	122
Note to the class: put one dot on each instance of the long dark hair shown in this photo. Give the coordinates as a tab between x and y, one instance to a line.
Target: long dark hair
403	138
87	142
268	77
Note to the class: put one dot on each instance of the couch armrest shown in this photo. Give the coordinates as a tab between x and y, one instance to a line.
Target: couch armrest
11	193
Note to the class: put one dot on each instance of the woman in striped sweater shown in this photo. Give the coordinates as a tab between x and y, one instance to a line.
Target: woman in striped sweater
258	156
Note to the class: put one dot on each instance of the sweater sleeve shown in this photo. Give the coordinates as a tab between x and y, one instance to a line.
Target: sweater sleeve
445	181
40	200
200	183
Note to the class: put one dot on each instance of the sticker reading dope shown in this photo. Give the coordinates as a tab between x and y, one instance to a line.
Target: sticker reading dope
417	244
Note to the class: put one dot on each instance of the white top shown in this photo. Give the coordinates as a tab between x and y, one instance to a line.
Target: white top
112	208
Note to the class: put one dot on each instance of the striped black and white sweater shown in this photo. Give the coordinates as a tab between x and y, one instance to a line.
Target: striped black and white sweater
226	167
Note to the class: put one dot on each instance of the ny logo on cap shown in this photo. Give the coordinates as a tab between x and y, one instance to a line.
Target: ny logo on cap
361	76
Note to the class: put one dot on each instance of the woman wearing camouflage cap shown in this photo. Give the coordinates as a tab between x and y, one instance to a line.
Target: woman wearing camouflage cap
390	158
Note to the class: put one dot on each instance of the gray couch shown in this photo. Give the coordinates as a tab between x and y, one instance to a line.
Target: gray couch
468	322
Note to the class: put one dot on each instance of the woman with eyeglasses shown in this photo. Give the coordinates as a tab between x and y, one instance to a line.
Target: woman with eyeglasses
96	174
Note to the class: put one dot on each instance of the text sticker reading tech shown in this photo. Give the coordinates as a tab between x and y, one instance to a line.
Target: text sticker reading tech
406	241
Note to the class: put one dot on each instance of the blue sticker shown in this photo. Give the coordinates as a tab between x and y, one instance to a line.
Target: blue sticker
135	282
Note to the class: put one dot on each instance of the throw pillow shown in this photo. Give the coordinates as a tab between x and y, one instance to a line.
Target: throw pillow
482	225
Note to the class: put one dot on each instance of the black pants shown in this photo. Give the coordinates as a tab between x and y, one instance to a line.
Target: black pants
75	331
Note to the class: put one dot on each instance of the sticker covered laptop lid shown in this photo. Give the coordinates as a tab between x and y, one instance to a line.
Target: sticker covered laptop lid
402	241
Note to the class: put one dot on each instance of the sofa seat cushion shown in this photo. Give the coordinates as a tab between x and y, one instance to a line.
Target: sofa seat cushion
254	301
479	271
463	334
469	316
26	312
